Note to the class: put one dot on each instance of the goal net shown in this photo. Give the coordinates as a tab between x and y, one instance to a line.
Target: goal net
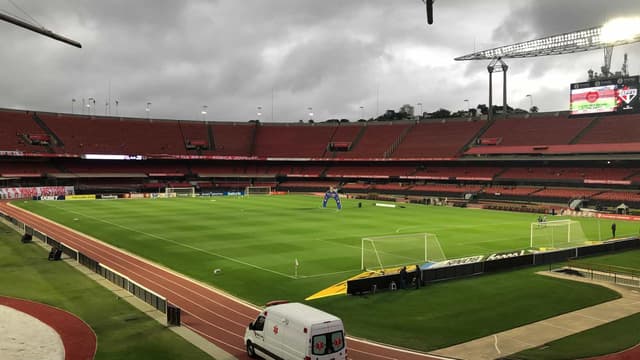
557	234
257	190
180	191
383	252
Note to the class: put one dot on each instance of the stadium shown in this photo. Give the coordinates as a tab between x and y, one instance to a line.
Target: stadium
488	233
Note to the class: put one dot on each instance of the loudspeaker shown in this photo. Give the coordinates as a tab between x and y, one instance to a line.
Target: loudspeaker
26	238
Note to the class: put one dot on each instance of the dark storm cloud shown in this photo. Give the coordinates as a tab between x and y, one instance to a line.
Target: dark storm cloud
233	56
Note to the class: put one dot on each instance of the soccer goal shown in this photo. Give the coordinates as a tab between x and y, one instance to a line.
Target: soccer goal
257	190
556	234
180	191
382	252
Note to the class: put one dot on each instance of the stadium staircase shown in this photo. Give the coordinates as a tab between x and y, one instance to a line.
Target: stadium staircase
55	139
474	138
254	135
210	137
576	139
358	137
394	146
333	153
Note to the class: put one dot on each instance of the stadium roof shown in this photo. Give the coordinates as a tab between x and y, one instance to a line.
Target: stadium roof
616	32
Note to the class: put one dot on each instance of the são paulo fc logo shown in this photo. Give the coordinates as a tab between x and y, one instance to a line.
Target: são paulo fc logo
627	95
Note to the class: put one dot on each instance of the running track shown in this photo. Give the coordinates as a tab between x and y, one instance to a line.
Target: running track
217	317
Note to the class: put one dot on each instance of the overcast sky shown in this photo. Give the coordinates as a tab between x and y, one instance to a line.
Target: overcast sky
332	55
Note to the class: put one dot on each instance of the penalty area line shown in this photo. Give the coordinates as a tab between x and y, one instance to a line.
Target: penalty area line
178	243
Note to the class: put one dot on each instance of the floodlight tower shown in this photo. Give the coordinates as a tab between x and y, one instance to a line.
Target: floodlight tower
492	68
614	33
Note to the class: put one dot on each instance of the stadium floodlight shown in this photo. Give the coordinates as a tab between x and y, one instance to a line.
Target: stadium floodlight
616	32
620	29
204	112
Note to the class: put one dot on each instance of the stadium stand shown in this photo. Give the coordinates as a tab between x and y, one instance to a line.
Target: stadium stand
15	130
292	140
437	139
564	193
38	148
368	171
613	129
535	130
376	139
481	173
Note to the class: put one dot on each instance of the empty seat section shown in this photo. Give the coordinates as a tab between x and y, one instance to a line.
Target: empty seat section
536	130
567	173
292	140
447	188
614	129
15	124
346	134
368	171
194	132
621	196
210	169
91	135
377	138
564	193
232	139
25	168
427	140
105	167
316	185
510	190
461	173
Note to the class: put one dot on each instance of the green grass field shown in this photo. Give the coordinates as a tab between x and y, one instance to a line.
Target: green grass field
123	332
256	241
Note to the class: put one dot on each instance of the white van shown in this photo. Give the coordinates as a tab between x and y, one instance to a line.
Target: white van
291	331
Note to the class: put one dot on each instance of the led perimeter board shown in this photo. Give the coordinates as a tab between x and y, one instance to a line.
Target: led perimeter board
608	96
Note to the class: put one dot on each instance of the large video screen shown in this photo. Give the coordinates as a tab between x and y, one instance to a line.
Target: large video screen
610	96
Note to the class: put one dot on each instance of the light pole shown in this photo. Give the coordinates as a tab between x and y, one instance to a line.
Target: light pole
466	101
362	112
89	100
73	101
420	106
204	112
259	112
530	101
310	113
117	102
148	109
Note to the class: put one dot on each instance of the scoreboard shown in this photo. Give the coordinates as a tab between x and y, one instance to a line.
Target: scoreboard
607	96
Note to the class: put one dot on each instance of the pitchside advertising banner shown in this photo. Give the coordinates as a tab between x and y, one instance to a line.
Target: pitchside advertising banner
608	96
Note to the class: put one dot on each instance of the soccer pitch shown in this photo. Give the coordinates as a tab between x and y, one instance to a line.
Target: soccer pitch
256	241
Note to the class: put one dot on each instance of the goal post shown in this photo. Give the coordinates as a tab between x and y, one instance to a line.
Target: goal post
556	234
257	190
186	191
382	252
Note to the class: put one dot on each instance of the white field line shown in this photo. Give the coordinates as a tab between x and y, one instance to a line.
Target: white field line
495	344
184	297
178	243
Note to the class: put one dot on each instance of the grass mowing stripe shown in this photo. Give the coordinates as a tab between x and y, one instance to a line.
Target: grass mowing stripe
123	332
179	243
272	232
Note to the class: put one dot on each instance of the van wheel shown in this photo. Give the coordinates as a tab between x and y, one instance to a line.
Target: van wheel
250	350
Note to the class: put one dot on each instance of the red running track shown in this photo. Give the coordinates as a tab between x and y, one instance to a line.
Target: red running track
217	317
77	337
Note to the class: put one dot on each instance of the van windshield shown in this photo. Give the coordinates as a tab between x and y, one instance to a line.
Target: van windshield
328	343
